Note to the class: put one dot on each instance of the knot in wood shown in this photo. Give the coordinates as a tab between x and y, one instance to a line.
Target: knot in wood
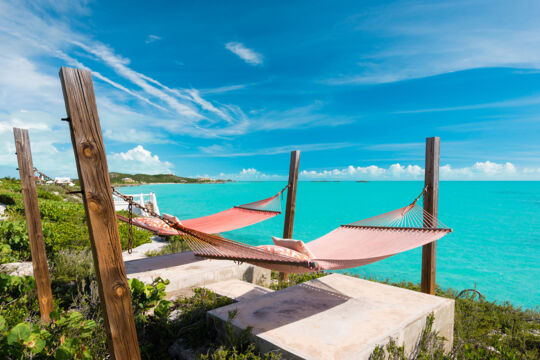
88	150
120	289
94	203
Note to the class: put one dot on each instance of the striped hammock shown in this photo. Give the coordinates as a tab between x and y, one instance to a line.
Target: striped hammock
356	244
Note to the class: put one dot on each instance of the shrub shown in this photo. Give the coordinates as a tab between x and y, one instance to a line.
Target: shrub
15	235
43	194
140	236
73	265
176	245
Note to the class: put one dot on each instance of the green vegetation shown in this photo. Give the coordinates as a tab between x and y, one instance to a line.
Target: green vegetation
176	245
63	222
127	179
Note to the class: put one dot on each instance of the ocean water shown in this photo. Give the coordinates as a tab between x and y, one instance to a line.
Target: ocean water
495	246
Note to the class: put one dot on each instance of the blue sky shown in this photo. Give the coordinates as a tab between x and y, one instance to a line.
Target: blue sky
227	89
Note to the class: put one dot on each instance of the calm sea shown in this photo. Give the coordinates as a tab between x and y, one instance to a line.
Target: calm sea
495	246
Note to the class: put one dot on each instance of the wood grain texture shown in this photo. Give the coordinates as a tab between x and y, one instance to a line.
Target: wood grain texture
291	195
431	206
290	208
90	157
33	222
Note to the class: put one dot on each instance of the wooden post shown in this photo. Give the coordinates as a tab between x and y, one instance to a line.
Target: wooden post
431	205
291	199
33	223
87	140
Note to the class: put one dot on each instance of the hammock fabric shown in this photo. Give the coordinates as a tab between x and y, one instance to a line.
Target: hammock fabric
351	245
227	220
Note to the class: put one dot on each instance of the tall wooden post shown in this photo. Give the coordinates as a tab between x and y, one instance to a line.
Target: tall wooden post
87	140
431	205
33	223
291	199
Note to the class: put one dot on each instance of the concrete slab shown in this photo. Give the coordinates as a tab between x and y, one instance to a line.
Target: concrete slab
339	317
185	271
238	290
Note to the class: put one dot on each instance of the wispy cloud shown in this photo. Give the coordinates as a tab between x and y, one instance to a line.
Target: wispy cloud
248	55
414	47
226	151
152	38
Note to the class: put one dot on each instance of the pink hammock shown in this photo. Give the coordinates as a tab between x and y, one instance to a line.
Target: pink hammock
227	220
351	245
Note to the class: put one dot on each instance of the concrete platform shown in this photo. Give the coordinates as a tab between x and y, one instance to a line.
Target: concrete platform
185	271
238	290
339	317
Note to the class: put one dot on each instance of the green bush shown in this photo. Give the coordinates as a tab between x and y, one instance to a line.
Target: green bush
176	245
73	265
140	236
44	194
15	235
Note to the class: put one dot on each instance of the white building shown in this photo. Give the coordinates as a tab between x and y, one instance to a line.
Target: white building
63	180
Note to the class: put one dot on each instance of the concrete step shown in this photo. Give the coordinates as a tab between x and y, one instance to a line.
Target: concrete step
238	290
339	317
186	271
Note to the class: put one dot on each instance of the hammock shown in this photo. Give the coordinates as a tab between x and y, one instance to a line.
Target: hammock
234	218
356	244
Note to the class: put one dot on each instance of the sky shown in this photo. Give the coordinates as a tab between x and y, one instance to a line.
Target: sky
228	89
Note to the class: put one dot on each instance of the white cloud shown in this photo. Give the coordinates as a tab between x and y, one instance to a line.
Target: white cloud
486	170
152	38
139	160
250	174
248	55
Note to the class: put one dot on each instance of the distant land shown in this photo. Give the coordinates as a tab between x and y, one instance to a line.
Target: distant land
139	179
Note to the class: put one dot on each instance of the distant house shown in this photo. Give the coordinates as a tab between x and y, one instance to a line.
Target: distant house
204	179
128	180
63	181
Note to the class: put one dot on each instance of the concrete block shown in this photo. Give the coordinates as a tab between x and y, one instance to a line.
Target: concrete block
238	290
339	317
186	271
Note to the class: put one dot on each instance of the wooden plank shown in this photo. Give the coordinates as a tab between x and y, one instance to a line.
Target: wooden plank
33	222
90	157
431	205
291	199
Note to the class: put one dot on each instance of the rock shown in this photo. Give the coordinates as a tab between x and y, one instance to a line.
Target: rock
18	268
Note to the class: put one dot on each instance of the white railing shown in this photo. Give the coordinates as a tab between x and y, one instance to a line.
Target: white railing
144	199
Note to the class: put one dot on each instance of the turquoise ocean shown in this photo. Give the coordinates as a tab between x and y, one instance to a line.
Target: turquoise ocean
495	246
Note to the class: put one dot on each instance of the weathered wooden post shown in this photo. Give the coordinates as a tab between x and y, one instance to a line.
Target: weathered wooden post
91	160
33	222
431	204
291	199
